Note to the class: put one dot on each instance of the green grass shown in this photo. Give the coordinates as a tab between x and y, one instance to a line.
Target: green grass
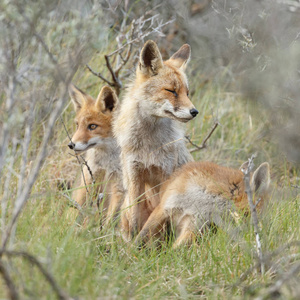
89	263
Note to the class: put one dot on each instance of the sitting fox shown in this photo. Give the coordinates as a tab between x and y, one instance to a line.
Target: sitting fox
200	194
94	138
148	131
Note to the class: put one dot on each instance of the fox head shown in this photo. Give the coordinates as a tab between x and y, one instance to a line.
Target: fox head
93	118
164	84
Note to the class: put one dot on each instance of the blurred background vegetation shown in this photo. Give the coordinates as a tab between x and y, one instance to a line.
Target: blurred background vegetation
244	74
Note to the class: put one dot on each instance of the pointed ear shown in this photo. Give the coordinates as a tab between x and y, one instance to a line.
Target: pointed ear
181	58
260	180
78	97
150	59
107	100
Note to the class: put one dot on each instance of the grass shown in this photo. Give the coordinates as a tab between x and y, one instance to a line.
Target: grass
90	263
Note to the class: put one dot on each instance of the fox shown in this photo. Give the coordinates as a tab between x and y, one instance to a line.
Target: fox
149	132
94	138
201	194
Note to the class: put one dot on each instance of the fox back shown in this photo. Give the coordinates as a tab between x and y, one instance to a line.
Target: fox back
202	193
200	182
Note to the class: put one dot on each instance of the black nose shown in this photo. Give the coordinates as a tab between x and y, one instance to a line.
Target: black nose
194	112
71	145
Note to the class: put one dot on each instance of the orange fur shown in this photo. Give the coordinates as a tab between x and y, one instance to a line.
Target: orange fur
94	138
201	193
148	131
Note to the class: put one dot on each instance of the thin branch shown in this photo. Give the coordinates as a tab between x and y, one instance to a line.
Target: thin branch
278	284
266	259
23	198
13	294
121	61
257	202
99	75
295	186
253	211
73	203
203	144
89	169
59	292
82	173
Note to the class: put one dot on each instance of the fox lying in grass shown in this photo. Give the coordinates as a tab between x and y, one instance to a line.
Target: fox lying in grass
94	136
200	194
148	131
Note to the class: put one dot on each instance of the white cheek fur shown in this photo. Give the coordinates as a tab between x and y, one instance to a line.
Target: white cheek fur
92	142
181	113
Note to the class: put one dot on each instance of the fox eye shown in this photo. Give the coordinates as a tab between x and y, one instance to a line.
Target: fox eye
92	127
173	92
187	93
76	124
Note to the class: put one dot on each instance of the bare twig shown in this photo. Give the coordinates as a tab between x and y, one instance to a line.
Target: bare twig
99	75
203	144
22	199
59	292
295	186
13	294
266	259
73	203
278	284
252	206
89	169
85	162
115	61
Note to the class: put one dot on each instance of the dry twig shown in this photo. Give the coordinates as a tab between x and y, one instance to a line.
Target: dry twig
203	144
253	211
138	31
13	294
59	292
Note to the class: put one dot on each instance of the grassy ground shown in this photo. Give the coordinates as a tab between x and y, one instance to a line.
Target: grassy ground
92	264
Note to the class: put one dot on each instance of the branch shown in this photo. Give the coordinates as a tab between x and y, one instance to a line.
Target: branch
203	144
266	259
82	173
253	211
99	75
23	198
59	292
278	284
13	294
121	61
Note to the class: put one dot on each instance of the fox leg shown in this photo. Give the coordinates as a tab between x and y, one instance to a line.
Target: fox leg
114	204
153	225
187	233
135	207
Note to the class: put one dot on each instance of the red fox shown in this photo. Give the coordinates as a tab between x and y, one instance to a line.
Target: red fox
148	130
94	136
202	193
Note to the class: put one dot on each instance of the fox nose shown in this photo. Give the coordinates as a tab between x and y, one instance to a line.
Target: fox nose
194	112
71	145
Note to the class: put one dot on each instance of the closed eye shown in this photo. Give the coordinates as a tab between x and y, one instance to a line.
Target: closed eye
173	92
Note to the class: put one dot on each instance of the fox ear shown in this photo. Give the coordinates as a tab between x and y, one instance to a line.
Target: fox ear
244	166
260	180
78	97
150	59
107	100
181	58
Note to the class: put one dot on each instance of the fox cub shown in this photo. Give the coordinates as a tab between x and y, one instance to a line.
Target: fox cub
148	131
202	193
94	138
